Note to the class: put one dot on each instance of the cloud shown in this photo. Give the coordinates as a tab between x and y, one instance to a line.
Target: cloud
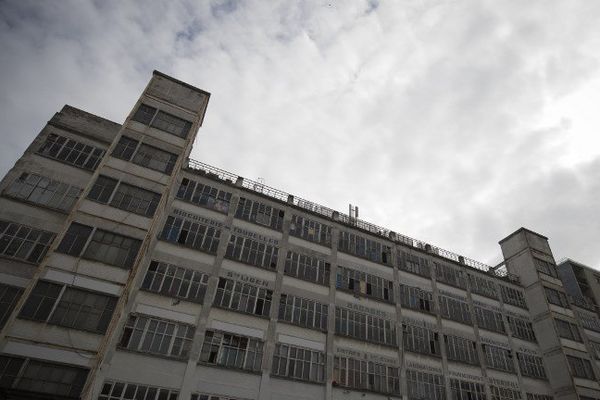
454	122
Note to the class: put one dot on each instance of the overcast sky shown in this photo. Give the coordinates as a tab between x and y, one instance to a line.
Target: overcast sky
454	122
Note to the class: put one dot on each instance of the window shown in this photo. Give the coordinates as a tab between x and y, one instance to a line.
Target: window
419	339
173	281
595	349
581	368
589	321
489	319
461	349
521	328
232	351
69	307
299	363
130	391
204	195
449	275
531	365
416	299
112	249
310	230
44	191
127	197
567	330
422	385
366	375
145	155
29	375
483	286
74	239
466	390
361	283
204	396
23	242
504	393
498	358
555	297
9	296
546	267
308	268
195	235
513	296
243	297
259	213
365	248
364	327
303	312
533	396
157	336
71	152
252	252
414	264
455	310
161	120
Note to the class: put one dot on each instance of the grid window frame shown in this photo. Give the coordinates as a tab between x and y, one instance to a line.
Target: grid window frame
174	281
366	375
466	390
581	367
9	297
567	330
243	297
310	230
118	390
421	340
531	366
417	299
72	152
23	242
253	252
145	155
204	195
513	297
365	327
499	358
230	350
449	275
424	385
303	312
44	191
298	363
461	349
414	264
260	213
504	393
489	319
363	247
521	328
364	284
190	234
307	268
454	309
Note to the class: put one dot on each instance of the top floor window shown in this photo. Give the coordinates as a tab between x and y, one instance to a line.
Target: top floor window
365	248
204	195
483	286
308	268
23	242
71	152
145	155
414	264
260	213
161	120
513	296
452	276
310	230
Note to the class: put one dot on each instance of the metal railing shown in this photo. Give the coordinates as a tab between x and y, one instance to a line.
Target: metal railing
327	212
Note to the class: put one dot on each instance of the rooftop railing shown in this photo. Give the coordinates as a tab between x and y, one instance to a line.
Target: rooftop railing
327	212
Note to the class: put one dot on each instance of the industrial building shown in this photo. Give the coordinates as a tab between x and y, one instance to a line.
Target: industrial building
129	271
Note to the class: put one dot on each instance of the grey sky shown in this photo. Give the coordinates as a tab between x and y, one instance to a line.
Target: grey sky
454	122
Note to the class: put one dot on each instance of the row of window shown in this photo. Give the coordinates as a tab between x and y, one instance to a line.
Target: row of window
259	213
360	246
307	268
310	230
204	195
366	375
44	191
24	242
71	152
191	234
450	275
124	196
361	283
144	155
251	251
164	121
365	327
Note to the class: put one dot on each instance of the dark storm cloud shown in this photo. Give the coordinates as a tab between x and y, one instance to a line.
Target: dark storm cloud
454	122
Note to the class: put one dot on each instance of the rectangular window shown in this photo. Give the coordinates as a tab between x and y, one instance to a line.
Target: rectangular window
365	248
252	252
232	351
521	328
422	385
161	120
205	396
581	368
103	189
310	230
23	242
71	152
363	284
26	375
365	327
483	286
416	299
589	321
546	267
418	339
129	391
299	363
307	268
191	234
567	330
513	296
145	155
260	213
498	358
366	375
173	281
157	336
9	296
555	297
303	312
127	197
461	350
414	264
504	393
489	319
112	249
595	349
70	307
463	390
75	239
243	297
531	366
454	309
44	191
450	276
204	195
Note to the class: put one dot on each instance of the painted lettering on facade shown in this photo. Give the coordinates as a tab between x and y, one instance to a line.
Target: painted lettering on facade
253	235
486	340
367	310
463	375
421	367
502	382
453	295
236	276
360	355
202	220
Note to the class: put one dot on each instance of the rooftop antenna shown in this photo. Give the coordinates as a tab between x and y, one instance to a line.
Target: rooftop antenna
353	213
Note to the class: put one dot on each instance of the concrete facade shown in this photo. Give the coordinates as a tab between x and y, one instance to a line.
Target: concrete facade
129	271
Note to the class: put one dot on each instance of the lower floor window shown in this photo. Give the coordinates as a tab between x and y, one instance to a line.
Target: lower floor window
503	393
232	351
133	391
466	390
422	385
299	363
9	295
366	375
